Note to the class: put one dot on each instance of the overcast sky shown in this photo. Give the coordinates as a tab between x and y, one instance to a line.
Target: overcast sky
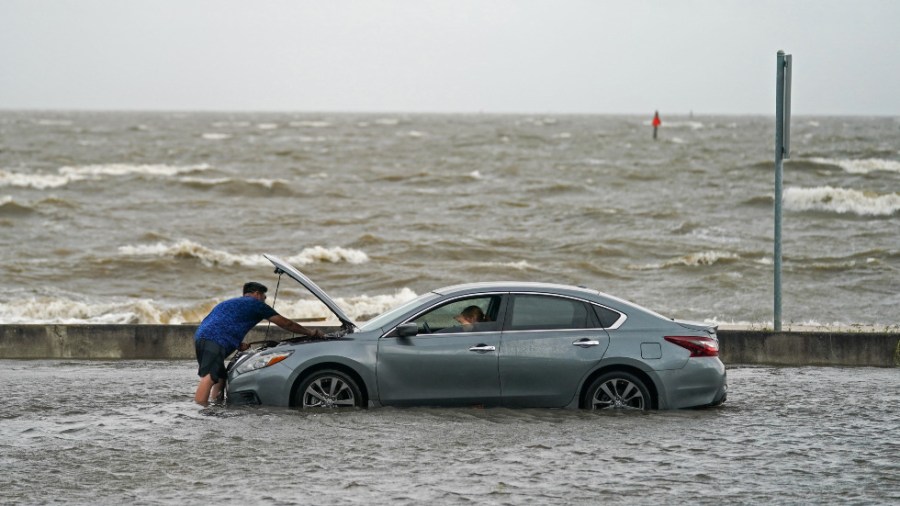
528	56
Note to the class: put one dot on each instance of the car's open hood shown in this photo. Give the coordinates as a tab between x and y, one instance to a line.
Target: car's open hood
290	270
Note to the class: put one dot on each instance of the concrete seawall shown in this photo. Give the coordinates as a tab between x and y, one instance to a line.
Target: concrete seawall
175	342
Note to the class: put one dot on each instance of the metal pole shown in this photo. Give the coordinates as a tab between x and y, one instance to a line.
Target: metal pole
779	169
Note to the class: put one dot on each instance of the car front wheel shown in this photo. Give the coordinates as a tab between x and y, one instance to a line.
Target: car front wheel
617	390
328	389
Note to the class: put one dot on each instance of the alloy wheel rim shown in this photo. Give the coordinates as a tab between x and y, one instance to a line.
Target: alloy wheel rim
329	392
618	393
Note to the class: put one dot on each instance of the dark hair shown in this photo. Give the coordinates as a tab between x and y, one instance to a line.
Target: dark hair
473	312
253	286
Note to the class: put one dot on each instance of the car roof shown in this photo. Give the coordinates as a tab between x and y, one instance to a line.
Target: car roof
553	288
516	286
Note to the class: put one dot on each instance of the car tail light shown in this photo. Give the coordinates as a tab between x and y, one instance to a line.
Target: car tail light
697	345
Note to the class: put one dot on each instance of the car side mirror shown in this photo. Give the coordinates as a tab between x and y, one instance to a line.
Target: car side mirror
407	330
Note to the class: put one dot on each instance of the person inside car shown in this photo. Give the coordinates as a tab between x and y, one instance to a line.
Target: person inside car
469	316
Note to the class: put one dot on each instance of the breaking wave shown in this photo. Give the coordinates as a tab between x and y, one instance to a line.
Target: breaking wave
237	184
186	249
124	169
521	265
693	125
310	124
60	310
693	260
841	201
36	181
863	166
359	308
66	175
215	136
9	206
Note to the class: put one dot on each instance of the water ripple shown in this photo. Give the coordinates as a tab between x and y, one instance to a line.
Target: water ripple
81	432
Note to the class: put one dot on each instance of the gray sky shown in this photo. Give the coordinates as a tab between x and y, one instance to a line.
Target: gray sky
559	56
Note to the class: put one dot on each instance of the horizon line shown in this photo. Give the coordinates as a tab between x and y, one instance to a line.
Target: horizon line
689	113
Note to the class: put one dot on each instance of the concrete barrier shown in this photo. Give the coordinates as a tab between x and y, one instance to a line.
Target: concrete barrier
111	342
876	349
175	342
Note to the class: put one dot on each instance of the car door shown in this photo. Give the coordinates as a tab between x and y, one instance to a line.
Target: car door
549	343
446	363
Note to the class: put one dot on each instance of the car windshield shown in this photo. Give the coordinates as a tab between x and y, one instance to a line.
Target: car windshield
384	319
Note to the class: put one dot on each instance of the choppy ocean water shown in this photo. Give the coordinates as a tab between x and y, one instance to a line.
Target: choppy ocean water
154	217
126	432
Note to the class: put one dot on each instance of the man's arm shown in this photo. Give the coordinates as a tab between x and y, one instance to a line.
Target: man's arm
296	328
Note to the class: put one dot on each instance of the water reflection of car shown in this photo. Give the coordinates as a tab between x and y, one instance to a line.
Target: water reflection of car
539	345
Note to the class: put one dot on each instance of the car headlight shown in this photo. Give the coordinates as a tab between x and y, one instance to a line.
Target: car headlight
262	360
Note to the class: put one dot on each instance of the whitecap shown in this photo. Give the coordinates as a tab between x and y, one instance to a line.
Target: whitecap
122	169
232	124
214	136
212	257
521	265
8	205
358	308
267	126
265	183
37	181
863	166
61	310
841	201
331	255
310	124
67	311
205	181
387	121
54	122
703	258
693	125
191	249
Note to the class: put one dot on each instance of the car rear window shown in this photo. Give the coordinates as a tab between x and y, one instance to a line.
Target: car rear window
607	317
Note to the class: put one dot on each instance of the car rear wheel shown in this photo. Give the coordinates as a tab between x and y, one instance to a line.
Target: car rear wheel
617	390
328	389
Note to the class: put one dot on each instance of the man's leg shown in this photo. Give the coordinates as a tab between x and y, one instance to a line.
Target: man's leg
218	391
206	384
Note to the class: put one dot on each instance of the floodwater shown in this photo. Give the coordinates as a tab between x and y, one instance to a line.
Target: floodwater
127	432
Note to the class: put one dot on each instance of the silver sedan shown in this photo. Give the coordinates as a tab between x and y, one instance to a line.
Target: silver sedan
490	344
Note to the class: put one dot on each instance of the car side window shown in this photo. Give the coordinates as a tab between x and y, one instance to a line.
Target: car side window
446	318
607	317
542	312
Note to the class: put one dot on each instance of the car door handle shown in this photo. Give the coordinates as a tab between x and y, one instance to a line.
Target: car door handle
482	348
586	343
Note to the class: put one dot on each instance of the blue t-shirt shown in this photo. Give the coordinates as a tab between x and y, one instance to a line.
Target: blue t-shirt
230	320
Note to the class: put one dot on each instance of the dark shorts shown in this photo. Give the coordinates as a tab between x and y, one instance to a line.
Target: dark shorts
211	359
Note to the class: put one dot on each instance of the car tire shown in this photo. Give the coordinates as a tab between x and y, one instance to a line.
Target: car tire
617	390
328	389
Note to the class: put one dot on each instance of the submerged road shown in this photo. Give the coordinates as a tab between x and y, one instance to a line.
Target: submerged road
114	432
